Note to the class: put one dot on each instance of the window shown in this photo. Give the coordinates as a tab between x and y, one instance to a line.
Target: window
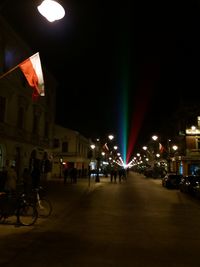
65	147
20	119
56	143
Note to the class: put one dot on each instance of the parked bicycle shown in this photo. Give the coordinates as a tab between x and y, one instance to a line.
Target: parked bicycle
43	205
13	205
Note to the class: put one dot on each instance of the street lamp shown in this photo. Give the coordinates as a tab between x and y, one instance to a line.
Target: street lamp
51	10
111	137
61	166
175	148
154	137
97	180
92	147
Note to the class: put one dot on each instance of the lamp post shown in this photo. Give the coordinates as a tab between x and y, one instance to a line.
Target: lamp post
168	155
61	166
175	148
97	157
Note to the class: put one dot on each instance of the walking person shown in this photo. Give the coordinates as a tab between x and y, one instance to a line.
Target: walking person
65	174
115	174
35	169
120	175
73	175
111	175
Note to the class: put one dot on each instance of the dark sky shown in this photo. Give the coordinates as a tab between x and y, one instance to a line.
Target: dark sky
90	51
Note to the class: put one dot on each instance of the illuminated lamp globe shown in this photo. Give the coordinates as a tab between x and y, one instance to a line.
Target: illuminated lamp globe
51	10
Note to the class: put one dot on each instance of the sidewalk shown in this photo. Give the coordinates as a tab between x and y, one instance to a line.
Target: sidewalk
70	193
64	197
83	183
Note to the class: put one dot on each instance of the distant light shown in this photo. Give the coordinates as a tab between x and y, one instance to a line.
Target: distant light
174	147
111	137
51	10
193	128
154	137
192	131
92	146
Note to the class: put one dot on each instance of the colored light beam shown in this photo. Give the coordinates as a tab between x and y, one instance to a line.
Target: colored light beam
140	97
142	100
141	106
124	82
123	122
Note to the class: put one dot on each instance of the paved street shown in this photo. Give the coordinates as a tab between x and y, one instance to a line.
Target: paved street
138	223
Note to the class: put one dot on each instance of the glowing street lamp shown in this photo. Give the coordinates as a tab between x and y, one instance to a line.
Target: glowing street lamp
174	147
154	137
51	10
110	137
92	147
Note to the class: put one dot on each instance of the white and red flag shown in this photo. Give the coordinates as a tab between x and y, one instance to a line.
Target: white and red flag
105	147
161	148
32	70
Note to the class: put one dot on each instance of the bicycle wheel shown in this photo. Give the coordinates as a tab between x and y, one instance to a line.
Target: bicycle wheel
27	214
44	208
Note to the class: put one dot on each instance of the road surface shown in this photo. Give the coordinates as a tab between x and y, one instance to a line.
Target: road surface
133	224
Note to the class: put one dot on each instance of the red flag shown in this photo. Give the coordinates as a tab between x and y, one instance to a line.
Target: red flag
161	148
32	70
105	147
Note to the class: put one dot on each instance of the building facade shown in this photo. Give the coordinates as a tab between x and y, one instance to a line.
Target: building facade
25	125
70	149
191	159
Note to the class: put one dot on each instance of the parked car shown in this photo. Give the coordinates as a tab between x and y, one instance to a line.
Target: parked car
155	172
196	190
189	183
172	180
148	172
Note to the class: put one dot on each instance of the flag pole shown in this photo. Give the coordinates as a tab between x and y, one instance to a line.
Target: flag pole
3	75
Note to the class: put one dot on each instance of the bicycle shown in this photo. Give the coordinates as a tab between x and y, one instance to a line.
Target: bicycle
13	205
42	204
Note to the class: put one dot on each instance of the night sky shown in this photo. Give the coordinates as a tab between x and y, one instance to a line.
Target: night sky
104	49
